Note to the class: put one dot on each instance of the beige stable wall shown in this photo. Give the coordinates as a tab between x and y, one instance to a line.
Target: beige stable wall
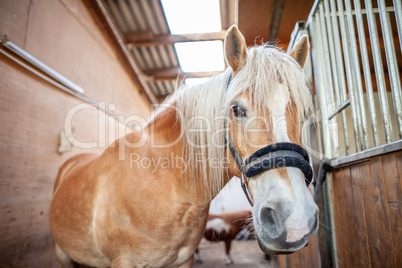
65	35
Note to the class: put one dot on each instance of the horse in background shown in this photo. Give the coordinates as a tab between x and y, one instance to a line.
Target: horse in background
225	227
144	201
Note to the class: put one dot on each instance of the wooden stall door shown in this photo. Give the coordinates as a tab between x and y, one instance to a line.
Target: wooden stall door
367	212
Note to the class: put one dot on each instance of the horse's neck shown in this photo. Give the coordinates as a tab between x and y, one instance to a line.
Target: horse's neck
165	129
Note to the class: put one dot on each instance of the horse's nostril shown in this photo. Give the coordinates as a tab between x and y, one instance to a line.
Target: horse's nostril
267	216
270	222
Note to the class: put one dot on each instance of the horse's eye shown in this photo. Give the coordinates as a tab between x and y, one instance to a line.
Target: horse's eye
238	112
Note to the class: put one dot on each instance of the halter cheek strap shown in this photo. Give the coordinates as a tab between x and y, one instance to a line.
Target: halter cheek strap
240	164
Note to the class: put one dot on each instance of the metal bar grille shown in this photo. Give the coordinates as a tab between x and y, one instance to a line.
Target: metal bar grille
349	67
366	69
392	64
379	72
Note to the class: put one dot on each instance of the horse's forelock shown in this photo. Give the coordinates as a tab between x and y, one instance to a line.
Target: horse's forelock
266	67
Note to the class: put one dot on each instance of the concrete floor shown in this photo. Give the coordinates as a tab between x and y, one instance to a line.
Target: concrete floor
245	254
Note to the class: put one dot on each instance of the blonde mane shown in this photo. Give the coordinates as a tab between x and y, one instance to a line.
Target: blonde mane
205	108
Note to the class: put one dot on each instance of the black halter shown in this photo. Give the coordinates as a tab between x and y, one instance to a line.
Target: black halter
283	154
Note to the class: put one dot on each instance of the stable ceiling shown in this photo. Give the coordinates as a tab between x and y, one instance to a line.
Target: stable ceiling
142	35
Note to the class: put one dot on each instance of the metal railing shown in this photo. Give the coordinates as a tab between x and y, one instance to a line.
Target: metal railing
357	81
348	67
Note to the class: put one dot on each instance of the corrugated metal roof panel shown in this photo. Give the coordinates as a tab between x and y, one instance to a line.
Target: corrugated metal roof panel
148	15
137	15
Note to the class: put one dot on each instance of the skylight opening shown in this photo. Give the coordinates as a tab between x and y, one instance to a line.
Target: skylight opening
192	16
204	56
196	16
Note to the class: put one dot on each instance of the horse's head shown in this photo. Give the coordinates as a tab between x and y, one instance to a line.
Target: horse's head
267	99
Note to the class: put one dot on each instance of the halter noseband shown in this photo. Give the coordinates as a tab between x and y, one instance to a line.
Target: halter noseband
283	154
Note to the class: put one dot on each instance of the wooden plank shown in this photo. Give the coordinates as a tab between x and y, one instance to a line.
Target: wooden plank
335	208
381	218
347	217
147	38
228	13
369	213
392	185
281	260
139	36
322	232
311	258
359	244
306	257
223	7
377	223
276	20
398	156
174	73
341	178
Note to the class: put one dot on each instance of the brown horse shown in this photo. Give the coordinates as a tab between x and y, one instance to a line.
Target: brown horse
144	202
225	227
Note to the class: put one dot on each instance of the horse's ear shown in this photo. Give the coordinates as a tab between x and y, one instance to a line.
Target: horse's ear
300	51
235	48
